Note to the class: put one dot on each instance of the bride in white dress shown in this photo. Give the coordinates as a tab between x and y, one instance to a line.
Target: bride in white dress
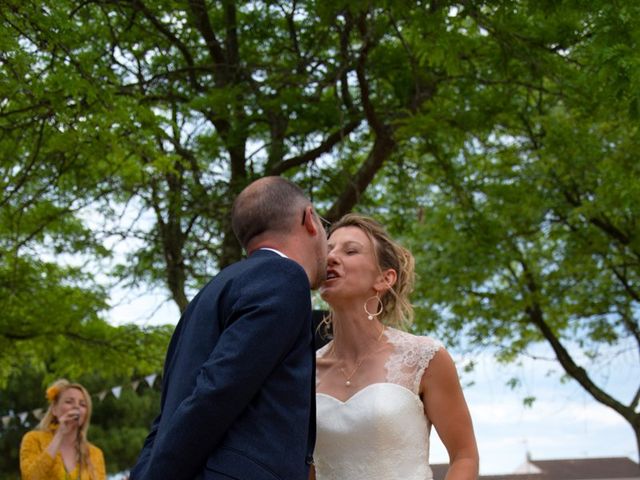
379	389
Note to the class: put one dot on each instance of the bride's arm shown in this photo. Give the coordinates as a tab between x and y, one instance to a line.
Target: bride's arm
446	408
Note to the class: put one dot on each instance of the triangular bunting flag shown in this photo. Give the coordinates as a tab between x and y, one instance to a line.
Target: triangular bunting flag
38	413
150	379
116	391
5	420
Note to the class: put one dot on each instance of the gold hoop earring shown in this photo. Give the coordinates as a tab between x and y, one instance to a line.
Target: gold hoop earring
380	308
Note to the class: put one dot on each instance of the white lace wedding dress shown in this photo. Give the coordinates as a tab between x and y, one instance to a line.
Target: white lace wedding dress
380	432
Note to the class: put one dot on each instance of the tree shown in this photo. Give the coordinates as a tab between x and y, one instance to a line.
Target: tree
53	170
162	111
199	99
530	223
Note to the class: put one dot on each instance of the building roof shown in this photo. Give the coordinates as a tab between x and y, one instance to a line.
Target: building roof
606	468
588	468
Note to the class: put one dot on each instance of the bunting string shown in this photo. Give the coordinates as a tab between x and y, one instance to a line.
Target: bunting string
116	391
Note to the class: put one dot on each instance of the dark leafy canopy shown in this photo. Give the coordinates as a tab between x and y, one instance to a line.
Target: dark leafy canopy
51	303
140	121
506	129
528	224
189	101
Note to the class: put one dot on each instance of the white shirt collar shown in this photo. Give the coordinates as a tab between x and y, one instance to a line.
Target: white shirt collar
274	250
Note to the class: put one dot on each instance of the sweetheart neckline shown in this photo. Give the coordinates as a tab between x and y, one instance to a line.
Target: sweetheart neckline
377	384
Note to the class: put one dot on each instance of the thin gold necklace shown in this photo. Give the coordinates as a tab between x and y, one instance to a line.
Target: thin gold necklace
347	378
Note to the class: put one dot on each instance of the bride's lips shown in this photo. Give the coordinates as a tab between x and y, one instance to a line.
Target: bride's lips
331	274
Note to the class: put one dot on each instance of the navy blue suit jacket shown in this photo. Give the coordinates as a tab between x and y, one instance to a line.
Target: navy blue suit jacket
238	388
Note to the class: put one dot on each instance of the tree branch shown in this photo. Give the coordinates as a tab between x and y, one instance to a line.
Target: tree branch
363	83
203	24
168	34
313	154
381	151
535	314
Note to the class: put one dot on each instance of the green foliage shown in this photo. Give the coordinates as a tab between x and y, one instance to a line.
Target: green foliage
23	393
120	425
53	325
527	220
496	139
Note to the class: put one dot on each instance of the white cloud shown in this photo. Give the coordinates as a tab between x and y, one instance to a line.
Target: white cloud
564	421
142	308
511	411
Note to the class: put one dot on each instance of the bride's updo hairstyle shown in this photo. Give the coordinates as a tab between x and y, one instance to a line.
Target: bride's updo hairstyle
397	310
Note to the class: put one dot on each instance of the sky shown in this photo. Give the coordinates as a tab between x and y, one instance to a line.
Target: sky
564	421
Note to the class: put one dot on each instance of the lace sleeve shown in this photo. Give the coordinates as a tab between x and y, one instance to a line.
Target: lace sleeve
321	352
410	358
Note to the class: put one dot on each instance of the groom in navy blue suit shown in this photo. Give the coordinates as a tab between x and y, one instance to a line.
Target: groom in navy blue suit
238	396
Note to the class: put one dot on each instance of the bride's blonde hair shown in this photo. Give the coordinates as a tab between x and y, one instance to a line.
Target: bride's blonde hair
397	310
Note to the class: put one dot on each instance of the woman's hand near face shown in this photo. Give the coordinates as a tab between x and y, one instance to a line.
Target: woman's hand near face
69	421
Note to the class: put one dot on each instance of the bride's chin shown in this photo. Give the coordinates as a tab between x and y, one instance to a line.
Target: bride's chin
325	292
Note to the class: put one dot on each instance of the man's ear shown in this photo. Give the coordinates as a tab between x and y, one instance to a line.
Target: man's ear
309	223
386	280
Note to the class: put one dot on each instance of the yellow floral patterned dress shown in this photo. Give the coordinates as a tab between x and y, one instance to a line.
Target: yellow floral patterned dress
37	464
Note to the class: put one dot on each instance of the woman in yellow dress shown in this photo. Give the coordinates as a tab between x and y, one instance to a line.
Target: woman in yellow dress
58	448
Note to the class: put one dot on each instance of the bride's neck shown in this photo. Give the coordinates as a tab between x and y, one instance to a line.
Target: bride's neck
353	334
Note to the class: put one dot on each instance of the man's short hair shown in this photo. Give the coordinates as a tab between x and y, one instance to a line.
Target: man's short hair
269	204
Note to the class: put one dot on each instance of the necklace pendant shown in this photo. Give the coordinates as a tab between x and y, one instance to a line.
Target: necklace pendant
348	383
